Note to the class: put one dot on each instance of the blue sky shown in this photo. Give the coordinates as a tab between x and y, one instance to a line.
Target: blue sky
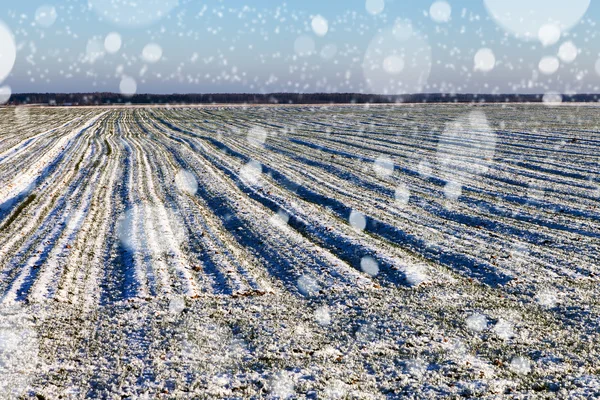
268	46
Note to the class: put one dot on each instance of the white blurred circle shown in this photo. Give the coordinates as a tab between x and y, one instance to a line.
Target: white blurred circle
308	286
552	98
186	182
112	42
465	149
440	11
453	190
549	34
477	322
257	136
22	114
403	30
402	194
176	304
279	219
548	65
597	67
320	25
328	51
416	368
357	220
504	329
416	274
8	51
546	298
132	13
397	61
336	390
393	64
304	46
375	7
128	86
251	173
152	53
45	16
520	365
145	222
94	50
369	266
322	316
425	169
383	166
567	52
485	60
5	93
282	386
524	19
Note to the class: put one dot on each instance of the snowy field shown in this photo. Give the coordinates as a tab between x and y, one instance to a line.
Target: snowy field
300	252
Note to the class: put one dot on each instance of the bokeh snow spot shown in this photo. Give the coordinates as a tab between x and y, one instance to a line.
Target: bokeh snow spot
402	194
94	50
465	149
152	53
548	65
5	93
453	190
186	182
416	274
176	304
484	60
22	114
128	86
552	98
282	386
251	173
153	230
112	42
477	322
397	61
375	7
567	52
320	25
357	220
304	46
546	298
416	368
504	329
393	64
328	51
8	51
280	219
383	166
308	286
336	390
132	13
520	365
323	316
524	20
425	169
45	16
549	34
597	67
440	11
257	136
369	266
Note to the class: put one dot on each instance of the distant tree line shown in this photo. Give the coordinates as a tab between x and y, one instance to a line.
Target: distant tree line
61	99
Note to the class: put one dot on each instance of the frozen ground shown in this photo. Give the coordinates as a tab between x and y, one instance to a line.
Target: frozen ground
300	252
